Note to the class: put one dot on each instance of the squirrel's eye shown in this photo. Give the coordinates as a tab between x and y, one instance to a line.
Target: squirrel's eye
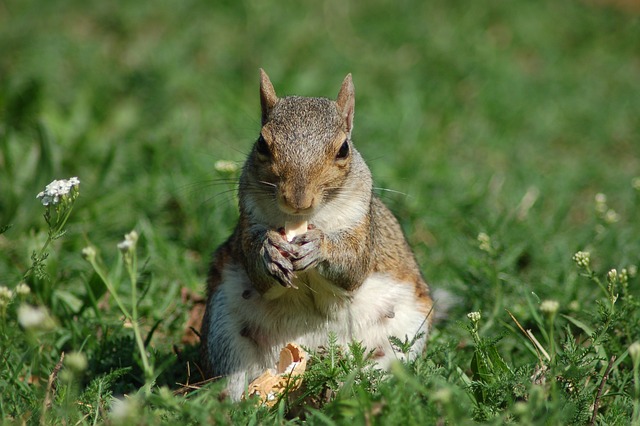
343	152
262	148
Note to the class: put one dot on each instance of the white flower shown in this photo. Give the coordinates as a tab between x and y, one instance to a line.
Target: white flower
76	361
474	316
634	350
129	242
624	276
485	242
5	293
582	259
58	189
89	253
34	317
123	410
612	276
225	166
635	183
549	306
611	216
442	395
22	289
521	408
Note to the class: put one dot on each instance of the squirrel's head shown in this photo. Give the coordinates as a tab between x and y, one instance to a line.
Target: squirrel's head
304	154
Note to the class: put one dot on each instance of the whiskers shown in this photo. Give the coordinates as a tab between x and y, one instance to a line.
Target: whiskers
264	182
208	190
342	207
345	195
386	192
227	189
196	186
260	189
379	188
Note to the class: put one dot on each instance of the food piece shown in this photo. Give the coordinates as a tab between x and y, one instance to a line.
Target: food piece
291	229
270	385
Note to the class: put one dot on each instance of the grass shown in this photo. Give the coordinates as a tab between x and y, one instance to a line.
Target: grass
498	123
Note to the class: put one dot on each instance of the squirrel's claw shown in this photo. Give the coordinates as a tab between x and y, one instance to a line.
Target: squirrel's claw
308	250
278	266
282	275
276	257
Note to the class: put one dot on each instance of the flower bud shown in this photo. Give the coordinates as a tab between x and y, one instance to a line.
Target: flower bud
5	294
474	316
89	253
76	362
549	307
22	290
129	242
634	352
35	318
484	241
225	166
582	259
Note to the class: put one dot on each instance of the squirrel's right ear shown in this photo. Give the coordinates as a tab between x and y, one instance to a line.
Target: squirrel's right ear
346	102
268	96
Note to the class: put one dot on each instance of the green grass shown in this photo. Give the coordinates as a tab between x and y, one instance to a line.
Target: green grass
502	118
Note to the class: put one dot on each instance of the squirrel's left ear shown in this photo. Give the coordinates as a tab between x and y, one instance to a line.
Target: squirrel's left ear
346	102
268	96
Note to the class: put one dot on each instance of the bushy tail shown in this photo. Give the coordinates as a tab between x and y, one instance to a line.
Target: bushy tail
443	301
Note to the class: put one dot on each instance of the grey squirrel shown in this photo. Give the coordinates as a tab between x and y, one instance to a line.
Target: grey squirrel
314	250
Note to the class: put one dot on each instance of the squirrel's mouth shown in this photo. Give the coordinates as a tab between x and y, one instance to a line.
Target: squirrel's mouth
298	203
301	213
296	213
297	217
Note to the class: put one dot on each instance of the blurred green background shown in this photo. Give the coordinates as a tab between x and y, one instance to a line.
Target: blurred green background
503	117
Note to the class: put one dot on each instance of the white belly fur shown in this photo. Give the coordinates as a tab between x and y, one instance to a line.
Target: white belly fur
380	308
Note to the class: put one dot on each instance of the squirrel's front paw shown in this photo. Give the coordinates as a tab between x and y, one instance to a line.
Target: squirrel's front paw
308	249
276	255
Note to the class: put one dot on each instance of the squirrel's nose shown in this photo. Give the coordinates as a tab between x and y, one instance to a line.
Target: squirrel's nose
296	201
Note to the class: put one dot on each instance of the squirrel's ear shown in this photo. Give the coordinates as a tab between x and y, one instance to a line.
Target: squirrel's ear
268	96
346	102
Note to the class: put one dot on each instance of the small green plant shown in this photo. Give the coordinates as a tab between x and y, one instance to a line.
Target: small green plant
634	352
128	249
58	199
333	372
570	372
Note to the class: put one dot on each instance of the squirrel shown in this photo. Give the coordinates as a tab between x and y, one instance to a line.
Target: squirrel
348	271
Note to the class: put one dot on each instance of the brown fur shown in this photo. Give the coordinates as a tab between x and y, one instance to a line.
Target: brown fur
294	172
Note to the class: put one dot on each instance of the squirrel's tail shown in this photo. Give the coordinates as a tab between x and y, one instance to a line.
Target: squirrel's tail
443	301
